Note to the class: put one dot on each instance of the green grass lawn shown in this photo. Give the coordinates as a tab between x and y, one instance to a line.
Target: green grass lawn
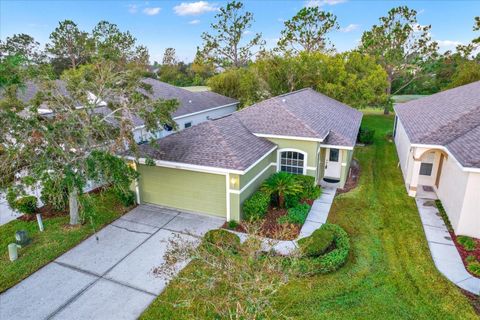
401	98
55	240
390	273
197	88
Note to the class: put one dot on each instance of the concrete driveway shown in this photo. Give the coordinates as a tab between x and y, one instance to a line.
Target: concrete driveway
110	278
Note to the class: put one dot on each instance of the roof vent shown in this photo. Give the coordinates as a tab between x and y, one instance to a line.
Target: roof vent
283	100
189	101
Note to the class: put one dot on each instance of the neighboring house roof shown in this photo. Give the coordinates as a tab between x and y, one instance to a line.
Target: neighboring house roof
450	118
190	102
223	143
304	113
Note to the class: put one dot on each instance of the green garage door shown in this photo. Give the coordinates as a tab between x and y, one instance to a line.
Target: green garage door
183	189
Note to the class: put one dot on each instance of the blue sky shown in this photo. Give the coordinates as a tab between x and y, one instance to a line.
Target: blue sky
178	24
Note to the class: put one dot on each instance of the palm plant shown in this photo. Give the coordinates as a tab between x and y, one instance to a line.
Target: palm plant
281	184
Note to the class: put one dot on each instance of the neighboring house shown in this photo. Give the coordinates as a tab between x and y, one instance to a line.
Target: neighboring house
194	107
213	167
438	145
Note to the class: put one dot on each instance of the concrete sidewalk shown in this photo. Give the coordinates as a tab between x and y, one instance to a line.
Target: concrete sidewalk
110	278
444	253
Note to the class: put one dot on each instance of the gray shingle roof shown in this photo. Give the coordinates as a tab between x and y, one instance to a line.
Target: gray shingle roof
304	113
222	143
190	102
450	118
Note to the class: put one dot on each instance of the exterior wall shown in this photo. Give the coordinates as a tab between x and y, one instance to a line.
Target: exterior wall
141	134
430	157
309	147
403	150
183	189
346	161
469	222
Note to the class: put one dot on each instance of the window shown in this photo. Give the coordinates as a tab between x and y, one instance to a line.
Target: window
292	162
188	125
167	127
426	169
333	155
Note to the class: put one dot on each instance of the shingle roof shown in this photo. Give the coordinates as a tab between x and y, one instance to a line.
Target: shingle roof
190	102
304	113
450	118
222	143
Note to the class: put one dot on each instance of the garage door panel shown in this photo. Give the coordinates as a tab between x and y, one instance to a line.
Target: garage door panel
188	190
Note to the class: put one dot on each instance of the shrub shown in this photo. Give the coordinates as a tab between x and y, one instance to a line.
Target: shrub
365	135
317	244
471	258
296	215
474	267
330	261
127	198
292	200
27	204
309	190
281	184
221	239
232	224
255	207
467	243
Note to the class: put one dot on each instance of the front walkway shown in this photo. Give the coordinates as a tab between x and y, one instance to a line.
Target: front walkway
109	277
443	250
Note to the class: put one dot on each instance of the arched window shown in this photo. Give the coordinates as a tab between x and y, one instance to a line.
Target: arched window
292	162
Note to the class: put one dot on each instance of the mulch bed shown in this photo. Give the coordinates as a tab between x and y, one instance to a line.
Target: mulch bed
269	227
353	177
464	253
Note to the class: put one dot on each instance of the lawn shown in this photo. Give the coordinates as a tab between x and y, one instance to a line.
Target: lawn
57	239
390	273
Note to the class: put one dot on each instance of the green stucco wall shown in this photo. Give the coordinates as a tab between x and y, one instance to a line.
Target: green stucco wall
346	158
183	189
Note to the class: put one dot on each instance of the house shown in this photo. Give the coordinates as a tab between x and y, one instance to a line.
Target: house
213	167
438	145
194	107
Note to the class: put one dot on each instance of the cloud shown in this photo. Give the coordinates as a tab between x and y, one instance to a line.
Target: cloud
351	27
448	44
247	32
194	8
132	8
196	21
321	3
152	11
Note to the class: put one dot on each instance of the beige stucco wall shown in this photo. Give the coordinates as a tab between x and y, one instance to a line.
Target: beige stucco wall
469	222
403	150
346	162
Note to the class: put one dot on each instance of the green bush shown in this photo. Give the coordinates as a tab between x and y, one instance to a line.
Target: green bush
332	260
471	258
317	244
474	267
255	207
309	190
127	198
26	205
221	239
365	135
292	200
296	215
281	185
232	224
467	243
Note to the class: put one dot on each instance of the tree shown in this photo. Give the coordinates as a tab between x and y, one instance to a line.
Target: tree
169	58
112	44
22	45
281	184
307	31
227	45
69	45
80	142
400	45
467	72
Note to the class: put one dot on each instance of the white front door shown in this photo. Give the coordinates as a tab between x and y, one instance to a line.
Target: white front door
332	164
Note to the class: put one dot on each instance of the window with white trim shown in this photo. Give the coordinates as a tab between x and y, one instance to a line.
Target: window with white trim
188	124
292	162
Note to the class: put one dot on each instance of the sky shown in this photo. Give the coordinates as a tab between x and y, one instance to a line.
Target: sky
179	24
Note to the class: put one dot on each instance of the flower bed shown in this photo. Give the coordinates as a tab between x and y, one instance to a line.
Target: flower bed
468	248
279	208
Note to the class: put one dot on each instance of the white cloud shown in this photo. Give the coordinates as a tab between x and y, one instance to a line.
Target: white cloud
448	44
194	8
132	8
196	21
321	3
152	11
351	27
247	32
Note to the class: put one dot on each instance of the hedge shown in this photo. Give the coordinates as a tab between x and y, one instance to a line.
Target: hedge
317	244
296	215
255	207
27	204
221	239
332	260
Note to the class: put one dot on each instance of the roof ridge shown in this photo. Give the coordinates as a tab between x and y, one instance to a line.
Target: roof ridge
301	121
225	144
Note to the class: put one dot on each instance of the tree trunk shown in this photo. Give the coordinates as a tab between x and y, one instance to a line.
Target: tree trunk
73	204
389	92
281	200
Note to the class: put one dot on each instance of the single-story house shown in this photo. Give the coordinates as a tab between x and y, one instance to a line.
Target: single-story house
213	167
438	145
